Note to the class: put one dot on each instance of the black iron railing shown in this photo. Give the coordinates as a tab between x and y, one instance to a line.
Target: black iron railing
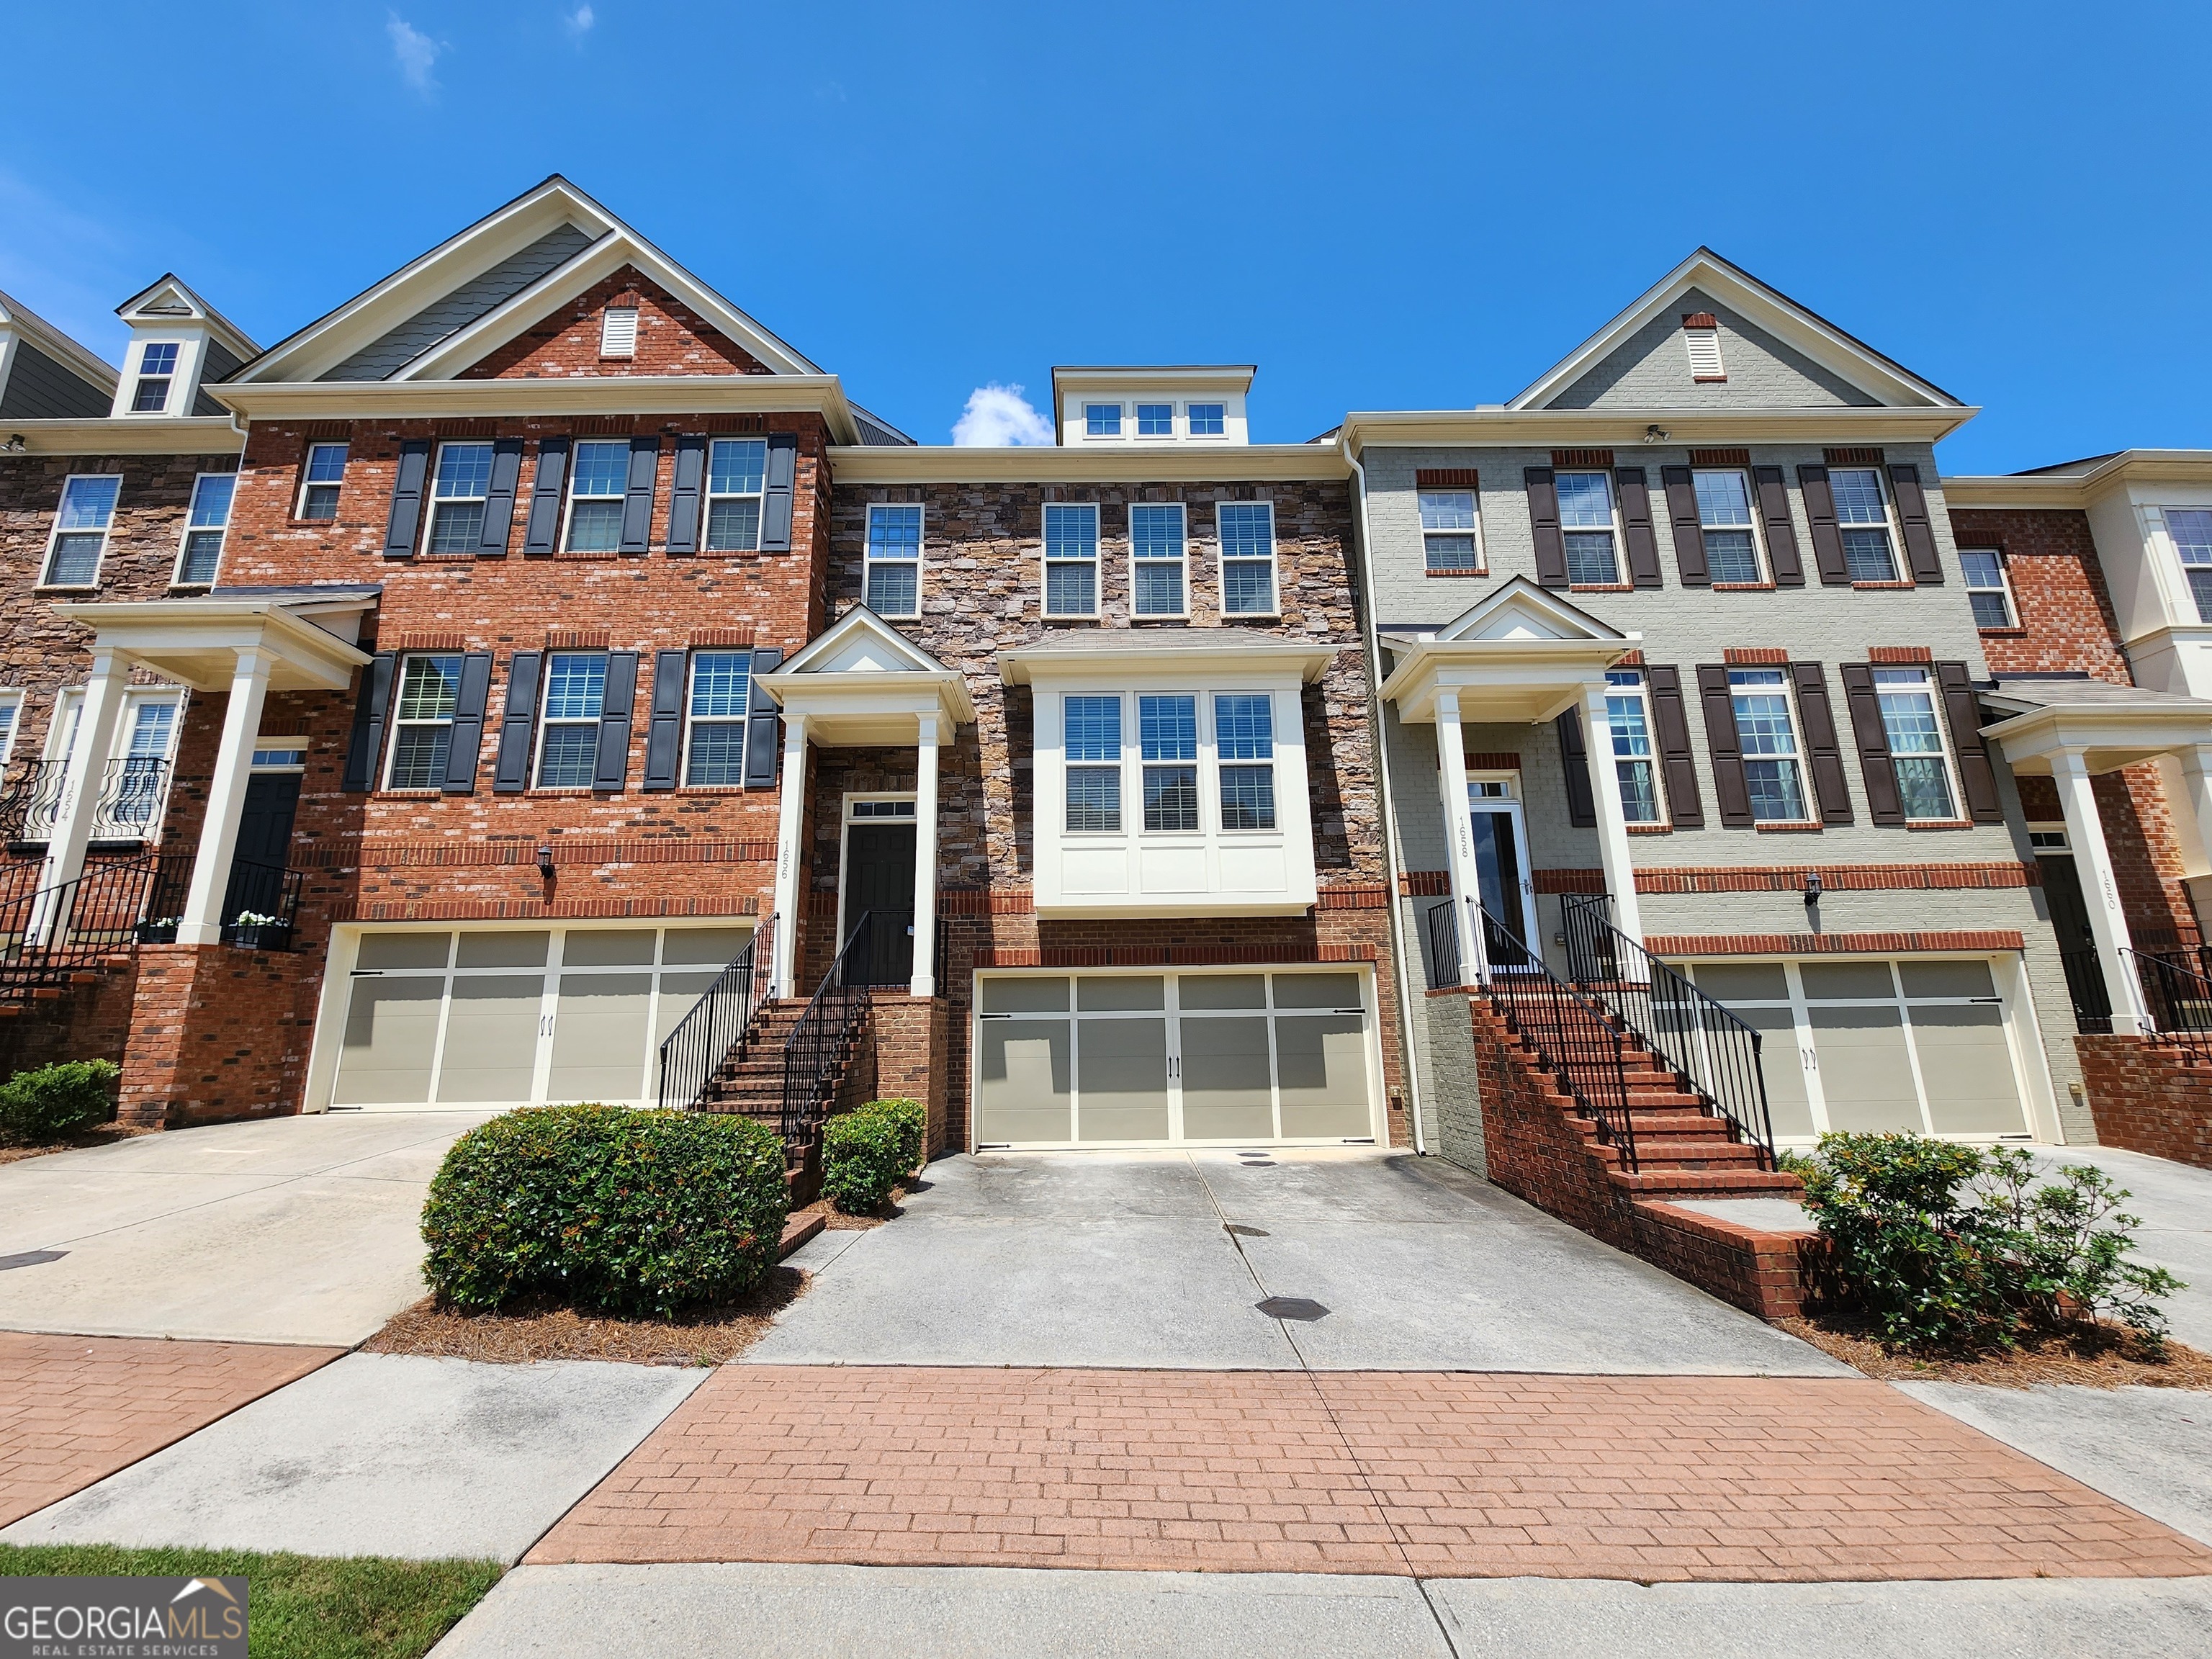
49	934
1442	922
260	904
703	1038
818	1044
32	802
133	792
1712	1051
2085	985
2177	998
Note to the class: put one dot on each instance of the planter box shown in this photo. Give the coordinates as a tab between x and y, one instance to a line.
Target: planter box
254	936
157	933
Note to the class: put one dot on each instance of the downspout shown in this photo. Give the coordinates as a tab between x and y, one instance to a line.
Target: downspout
1393	864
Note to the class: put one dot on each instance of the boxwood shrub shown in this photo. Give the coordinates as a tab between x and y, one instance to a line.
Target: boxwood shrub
867	1151
55	1101
611	1209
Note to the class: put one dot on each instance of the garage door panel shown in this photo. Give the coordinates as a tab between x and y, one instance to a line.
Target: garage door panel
599	1037
1321	1065
491	1038
1024	1078
1226	1080
1122	1076
390	1039
1866	1075
1967	1067
1788	1104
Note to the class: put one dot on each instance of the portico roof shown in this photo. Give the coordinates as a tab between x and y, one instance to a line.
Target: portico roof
2108	725
1103	653
197	642
861	681
1520	654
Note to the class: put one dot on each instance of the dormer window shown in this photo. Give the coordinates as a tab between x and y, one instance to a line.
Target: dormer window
1701	333
1208	421
157	367
1156	419
618	332
1101	420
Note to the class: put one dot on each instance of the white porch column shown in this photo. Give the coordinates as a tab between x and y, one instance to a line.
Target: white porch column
87	772
1612	817
1451	779
2193	769
790	820
924	983
2100	894
234	764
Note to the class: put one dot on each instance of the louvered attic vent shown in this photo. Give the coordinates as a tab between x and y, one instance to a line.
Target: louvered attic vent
1701	332
618	332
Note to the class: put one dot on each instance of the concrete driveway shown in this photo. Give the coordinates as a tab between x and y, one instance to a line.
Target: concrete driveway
1384	1261
288	1230
2175	1203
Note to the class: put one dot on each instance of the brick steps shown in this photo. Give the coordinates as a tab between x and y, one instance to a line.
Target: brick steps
749	1083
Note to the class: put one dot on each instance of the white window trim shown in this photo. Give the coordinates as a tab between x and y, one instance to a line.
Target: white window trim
54	535
575	472
393	724
2054	827
1182	510
307	483
1222	561
869	561
223	532
1642	691
298	745
177	372
19	699
1206	763
1763	567
1119	763
1797	755
1118	435
1210	741
439	503
1613	511
692	722
1187	433
1898	571
1178	421
1481	566
547	719
2183	609
1941	722
1098	562
708	495
2003	586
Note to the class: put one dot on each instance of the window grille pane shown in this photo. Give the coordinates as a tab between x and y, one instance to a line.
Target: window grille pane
893	589
1589	558
1447	509
1156	532
1990	610
722	684
76	562
1247	530
1167	727
459	527
718	754
1632	736
1983	569
601	469
1247	798
1730	557
418	756
1158	590
1584	500
737	466
158	359
149	730
733	527
211	500
1452	553
895	532
88	503
2200	583
203	553
1205	421
1244	726
1867	556
1094	799
430	688
1924	785
1248	587
1775	795
1858	496
568	756
1171	798
149	396
1639	800
1071	532
1102	420
575	686
464	470
326	464
1156	419
1723	501
1071	590
593	527
321	501
1092	728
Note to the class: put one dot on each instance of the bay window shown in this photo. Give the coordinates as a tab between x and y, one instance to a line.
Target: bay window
2192	530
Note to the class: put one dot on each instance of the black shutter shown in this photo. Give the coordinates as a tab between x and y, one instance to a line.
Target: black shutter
1581	805
1828	540
519	724
663	738
763	742
1822	752
369	714
778	489
1689	529
1884	804
1628	484
683	496
407	481
1913	519
466	750
637	502
613	772
499	504
1670	723
544	526
1773	497
1727	747
1976	778
1543	526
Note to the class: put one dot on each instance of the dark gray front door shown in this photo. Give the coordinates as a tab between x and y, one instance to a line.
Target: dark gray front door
879	878
2077	943
264	843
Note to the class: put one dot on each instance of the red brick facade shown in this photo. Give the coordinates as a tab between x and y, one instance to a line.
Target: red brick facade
2149	1097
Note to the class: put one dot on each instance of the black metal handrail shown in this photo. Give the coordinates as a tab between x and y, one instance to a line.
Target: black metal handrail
260	903
1442	923
2177	999
818	1044
132	792
51	934
703	1039
1712	1051
2086	988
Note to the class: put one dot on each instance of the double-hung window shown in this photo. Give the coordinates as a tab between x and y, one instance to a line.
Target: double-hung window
1167	734
1768	735
1629	718
1157	554
1244	744
1986	588
157	368
1071	559
1449	530
1247	558
423	722
321	480
1156	419
204	523
1915	742
1724	511
1207	420
1586	521
2192	530
737	471
596	488
1091	736
721	692
568	739
457	497
80	528
1862	516
894	574
11	711
1101	420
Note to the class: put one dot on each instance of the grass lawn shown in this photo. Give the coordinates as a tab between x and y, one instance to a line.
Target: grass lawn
299	1607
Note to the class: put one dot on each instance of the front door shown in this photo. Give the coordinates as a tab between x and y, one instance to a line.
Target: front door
879	879
1501	872
2077	941
265	843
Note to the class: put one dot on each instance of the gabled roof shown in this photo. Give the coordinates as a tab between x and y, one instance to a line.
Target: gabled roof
552	216
1517	609
862	681
1882	378
78	359
167	299
861	642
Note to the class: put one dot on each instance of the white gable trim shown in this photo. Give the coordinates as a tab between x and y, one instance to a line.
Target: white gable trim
862	631
169	302
1878	376
1548	617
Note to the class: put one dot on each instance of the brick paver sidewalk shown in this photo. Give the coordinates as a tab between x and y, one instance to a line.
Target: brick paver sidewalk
1447	1475
74	1409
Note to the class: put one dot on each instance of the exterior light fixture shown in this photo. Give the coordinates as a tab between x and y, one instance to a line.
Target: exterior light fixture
1811	888
545	861
14	446
1655	434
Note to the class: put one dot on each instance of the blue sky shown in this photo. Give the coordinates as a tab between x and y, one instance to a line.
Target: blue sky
1382	206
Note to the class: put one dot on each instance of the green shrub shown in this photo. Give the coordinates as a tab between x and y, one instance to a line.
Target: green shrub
55	1101
866	1152
1949	1244
610	1208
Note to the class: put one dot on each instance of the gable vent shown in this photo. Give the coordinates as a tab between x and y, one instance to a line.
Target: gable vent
1701	333
618	332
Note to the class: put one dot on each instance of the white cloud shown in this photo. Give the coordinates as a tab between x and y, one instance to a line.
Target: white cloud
998	415
579	21
416	52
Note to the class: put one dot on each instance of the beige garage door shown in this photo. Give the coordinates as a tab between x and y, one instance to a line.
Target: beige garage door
1084	1059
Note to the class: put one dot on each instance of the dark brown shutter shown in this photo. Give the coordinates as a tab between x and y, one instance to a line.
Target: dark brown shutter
1689	529
517	724
1828	540
370	710
499	502
1913	519
1635	495
1976	778
1727	747
406	523
1670	724
684	495
613	771
763	743
1581	805
777	492
1773	499
1884	805
544	527
664	737
1822	752
637	496
466	750
1543	526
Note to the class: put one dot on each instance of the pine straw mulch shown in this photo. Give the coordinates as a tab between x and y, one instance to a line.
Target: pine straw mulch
835	1220
546	1330
2089	1355
104	1134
